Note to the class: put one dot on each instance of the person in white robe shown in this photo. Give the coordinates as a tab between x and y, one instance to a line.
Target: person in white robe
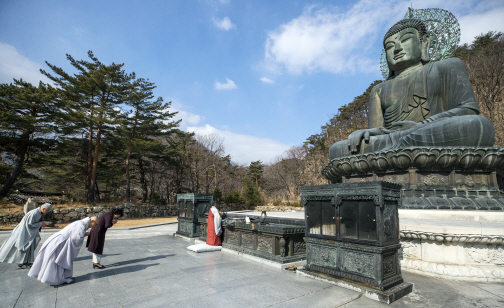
54	262
20	246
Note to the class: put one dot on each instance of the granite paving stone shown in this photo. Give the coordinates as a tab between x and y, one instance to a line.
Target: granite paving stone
166	285
110	305
223	300
146	302
149	268
140	289
192	303
183	295
75	299
259	296
325	298
107	295
496	289
9	299
37	299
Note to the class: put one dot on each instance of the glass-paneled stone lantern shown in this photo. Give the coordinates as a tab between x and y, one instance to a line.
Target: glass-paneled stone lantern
352	232
190	208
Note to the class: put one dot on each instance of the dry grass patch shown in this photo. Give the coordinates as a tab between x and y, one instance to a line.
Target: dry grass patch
135	222
11	208
124	223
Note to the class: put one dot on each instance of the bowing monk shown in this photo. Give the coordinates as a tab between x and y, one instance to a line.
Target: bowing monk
96	239
214	229
54	262
20	246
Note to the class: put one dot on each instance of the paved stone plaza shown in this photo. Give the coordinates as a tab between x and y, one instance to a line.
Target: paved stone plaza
148	267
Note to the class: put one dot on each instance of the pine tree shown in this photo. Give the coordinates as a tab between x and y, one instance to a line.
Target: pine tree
28	116
217	194
255	172
251	194
94	96
143	126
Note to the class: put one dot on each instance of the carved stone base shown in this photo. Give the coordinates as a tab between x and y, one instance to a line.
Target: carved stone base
431	178
387	296
188	227
454	272
376	267
467	257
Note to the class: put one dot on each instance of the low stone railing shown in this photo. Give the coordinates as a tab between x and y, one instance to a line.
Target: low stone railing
60	216
131	210
272	208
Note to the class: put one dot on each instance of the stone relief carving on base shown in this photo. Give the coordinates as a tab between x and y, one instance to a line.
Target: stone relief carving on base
390	223
264	244
299	246
248	240
232	237
358	263
491	254
389	266
323	256
412	249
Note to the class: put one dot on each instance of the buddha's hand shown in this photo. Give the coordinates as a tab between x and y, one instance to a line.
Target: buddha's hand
355	138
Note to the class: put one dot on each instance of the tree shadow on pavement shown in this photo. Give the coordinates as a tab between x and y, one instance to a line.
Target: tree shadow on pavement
91	256
126	262
110	272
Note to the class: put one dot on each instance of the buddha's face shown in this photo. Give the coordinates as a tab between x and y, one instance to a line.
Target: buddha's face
403	49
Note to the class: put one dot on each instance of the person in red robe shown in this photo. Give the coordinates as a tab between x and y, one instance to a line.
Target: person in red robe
214	229
96	238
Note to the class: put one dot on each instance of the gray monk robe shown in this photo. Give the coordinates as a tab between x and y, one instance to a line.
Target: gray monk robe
54	262
20	246
439	97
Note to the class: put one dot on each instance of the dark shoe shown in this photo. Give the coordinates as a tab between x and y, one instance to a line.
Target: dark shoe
20	265
29	265
98	266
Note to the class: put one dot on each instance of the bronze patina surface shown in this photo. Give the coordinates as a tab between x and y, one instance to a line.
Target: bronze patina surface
422	103
424	128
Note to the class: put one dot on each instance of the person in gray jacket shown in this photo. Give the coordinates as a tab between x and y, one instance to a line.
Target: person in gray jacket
20	246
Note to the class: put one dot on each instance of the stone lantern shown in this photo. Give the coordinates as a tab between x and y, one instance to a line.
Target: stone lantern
190	208
352	232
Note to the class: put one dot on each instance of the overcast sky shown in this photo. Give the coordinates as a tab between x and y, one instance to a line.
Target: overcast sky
264	75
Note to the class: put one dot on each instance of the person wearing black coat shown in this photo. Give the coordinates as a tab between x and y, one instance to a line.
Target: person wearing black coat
96	239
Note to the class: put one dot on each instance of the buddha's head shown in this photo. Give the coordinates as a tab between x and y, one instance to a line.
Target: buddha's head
406	44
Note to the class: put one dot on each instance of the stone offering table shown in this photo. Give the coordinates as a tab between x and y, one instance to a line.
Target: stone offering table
275	239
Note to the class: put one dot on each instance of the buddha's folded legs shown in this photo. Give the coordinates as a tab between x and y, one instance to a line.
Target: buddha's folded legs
464	131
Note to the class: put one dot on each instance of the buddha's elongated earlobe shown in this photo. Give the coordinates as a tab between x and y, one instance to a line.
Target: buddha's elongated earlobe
426	41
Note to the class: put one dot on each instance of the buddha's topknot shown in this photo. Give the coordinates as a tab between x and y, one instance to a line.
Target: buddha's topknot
407	23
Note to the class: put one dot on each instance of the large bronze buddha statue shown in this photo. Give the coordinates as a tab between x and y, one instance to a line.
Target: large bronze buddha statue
422	103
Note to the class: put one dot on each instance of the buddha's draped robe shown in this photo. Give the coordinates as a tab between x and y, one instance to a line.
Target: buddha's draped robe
54	262
439	97
214	229
20	246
